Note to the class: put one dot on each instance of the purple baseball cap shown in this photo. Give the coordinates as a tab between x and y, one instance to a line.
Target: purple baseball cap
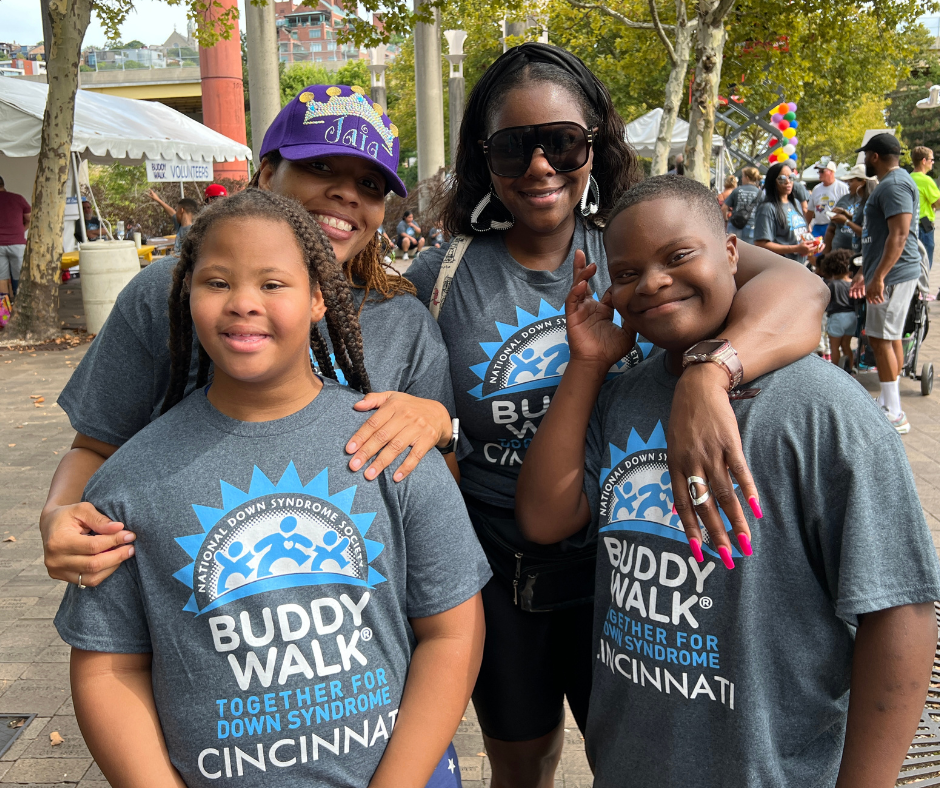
336	120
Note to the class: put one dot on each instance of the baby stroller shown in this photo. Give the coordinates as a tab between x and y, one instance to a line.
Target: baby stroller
915	332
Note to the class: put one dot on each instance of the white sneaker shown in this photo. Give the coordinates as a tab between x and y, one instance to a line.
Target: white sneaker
405	256
899	422
387	260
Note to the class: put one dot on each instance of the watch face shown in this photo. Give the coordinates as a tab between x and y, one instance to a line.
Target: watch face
706	347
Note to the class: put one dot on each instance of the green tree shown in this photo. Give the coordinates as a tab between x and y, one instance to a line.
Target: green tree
297	76
917	126
35	310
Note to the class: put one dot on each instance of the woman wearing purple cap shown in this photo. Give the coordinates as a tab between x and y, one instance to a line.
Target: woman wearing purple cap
335	151
541	161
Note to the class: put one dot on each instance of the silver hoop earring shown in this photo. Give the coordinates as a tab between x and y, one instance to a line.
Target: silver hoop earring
493	225
590	200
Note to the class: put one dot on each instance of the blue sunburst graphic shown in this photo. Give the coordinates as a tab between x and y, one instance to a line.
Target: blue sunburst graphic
277	536
533	354
636	490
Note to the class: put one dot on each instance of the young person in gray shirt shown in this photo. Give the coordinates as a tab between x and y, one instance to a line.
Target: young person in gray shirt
806	664
280	624
552	164
120	384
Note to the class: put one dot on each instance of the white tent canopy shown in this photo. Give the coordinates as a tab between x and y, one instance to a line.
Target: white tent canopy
110	129
642	133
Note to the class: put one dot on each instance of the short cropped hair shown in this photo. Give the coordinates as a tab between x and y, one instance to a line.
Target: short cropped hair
920	153
188	205
696	197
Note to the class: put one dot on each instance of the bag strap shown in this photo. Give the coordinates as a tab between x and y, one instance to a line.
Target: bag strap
455	252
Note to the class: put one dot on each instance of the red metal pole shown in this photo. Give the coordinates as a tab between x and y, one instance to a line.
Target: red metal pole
223	95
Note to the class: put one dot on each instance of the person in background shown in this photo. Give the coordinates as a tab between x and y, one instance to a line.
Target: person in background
842	232
741	205
929	196
779	226
801	196
825	195
213	192
731	184
409	234
186	210
14	220
92	223
890	266
436	237
836	269
678	168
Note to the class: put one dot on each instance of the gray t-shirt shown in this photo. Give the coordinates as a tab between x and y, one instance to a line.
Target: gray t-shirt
896	193
801	193
118	387
768	227
712	677
505	330
743	200
273	592
844	238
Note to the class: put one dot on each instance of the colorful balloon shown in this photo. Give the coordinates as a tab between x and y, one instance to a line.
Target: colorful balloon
788	132
783	125
790	116
789	150
783	109
772	141
793	141
791	106
793	124
776	117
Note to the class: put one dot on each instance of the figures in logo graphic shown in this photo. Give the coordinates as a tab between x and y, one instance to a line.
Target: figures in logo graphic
657	496
652	501
625	498
282	546
235	563
285	543
529	366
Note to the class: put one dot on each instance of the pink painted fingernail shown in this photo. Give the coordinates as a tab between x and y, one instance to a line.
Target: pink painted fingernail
745	544
755	507
674	509
725	554
696	547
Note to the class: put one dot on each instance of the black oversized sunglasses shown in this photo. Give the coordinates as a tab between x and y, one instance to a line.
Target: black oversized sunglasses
565	145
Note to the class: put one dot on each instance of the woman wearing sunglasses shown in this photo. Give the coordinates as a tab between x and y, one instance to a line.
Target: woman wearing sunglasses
542	158
779	224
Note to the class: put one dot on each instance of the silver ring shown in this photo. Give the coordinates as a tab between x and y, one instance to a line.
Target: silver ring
80	581
692	481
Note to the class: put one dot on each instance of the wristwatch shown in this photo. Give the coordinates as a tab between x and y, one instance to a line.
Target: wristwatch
451	447
716	351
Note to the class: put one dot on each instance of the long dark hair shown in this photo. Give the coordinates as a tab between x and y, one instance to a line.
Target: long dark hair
772	194
342	320
615	163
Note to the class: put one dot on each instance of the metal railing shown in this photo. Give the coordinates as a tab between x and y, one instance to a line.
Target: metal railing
130	59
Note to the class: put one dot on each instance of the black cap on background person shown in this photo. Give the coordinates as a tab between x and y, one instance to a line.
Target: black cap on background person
882	144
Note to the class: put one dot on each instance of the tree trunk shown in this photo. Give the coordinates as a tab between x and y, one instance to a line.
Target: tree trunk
675	86
709	44
35	313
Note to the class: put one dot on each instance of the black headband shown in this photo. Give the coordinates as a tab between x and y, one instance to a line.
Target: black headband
521	56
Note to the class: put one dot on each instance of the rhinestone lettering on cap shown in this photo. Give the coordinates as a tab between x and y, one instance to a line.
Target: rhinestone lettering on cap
340	109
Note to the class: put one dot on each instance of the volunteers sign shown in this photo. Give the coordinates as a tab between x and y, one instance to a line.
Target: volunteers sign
178	170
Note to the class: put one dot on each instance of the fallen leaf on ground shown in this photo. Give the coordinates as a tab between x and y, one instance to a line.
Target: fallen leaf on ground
35	396
38	399
17	723
55	738
11	445
481	754
39	405
10	539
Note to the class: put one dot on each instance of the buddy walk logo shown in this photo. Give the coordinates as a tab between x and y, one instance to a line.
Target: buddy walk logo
277	536
534	354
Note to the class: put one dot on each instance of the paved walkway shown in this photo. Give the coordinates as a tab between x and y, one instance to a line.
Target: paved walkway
34	661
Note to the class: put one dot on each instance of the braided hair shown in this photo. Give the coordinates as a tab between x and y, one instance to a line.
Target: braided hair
342	320
615	162
367	270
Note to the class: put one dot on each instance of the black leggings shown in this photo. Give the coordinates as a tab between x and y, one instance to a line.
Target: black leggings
531	663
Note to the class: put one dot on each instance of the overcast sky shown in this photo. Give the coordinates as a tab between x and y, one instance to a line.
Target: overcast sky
152	22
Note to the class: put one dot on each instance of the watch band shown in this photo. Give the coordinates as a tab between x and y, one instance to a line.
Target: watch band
725	356
451	447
